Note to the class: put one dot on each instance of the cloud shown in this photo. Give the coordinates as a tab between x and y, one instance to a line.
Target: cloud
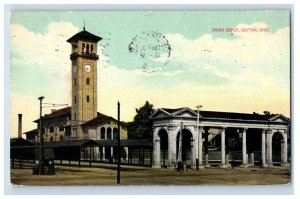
262	51
255	65
171	73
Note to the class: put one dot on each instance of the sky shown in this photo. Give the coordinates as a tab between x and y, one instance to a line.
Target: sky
235	61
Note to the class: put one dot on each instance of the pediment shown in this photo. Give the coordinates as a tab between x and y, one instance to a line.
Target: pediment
186	112
159	114
279	118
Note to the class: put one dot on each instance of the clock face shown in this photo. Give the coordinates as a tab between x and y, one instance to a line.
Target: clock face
87	68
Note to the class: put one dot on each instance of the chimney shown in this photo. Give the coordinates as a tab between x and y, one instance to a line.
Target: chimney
20	126
53	110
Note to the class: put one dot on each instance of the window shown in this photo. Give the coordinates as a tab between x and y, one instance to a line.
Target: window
75	99
88	81
87	98
92	48
102	133
74	133
61	137
74	116
108	133
51	139
87	49
51	129
83	48
115	133
61	128
75	82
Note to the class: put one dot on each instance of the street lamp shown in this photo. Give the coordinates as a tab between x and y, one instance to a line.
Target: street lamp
41	137
199	159
41	150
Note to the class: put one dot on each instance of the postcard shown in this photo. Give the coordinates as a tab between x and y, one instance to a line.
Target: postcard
150	97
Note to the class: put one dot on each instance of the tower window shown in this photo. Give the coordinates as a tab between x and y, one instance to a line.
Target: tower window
88	81
87	49
75	82
75	100
92	48
83	48
87	98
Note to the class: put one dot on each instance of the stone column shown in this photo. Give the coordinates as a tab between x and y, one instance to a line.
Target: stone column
193	153
126	150
103	153
200	146
269	148
263	148
284	150
112	148
172	147
105	137
156	151
245	155
206	146
223	163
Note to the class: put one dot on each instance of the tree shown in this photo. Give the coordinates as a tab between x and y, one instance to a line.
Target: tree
141	126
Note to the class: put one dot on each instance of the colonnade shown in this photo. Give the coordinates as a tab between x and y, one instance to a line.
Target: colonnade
197	146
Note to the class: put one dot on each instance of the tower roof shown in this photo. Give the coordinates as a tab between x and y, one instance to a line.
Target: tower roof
84	35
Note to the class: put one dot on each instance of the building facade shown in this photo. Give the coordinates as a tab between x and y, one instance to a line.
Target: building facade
184	135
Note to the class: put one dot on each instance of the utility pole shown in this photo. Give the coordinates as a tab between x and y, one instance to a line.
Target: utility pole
41	155
199	158
119	148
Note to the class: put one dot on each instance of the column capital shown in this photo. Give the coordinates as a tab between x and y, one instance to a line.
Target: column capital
269	130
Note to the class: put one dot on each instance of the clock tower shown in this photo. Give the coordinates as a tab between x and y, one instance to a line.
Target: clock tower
84	79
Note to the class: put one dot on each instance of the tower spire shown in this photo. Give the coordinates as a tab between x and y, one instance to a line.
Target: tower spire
83	24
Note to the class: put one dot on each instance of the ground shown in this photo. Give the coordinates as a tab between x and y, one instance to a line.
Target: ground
148	176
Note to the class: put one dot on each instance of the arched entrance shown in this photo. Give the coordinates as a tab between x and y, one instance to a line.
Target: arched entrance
163	147
186	150
277	144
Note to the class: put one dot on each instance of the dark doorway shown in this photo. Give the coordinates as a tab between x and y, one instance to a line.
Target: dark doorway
277	141
163	147
187	138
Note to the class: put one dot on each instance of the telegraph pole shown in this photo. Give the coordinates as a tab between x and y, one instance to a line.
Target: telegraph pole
41	138
119	148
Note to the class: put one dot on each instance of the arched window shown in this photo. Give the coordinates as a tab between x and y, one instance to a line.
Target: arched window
92	48
83	48
61	128
102	133
51	129
108	133
115	133
87	49
51	139
61	138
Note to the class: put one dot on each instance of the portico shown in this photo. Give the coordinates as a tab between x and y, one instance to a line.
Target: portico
243	138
